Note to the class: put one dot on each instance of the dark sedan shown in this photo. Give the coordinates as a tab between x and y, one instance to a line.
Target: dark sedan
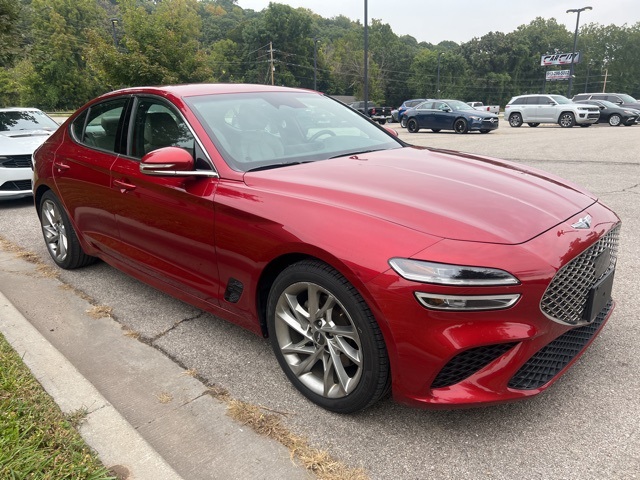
613	114
450	115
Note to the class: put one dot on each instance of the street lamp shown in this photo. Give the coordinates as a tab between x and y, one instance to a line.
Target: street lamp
575	41
366	60
315	63
114	22
438	78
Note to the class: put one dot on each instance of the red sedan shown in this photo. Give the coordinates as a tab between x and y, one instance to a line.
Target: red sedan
451	279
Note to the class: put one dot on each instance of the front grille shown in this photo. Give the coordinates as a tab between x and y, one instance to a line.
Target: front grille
16	186
15	161
469	362
552	358
566	296
593	115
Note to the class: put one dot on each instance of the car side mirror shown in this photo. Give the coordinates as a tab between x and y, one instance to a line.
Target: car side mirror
391	131
171	162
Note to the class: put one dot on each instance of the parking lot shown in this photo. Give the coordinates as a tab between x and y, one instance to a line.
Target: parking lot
586	426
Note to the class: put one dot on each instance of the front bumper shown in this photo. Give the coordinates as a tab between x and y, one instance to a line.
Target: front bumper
449	359
15	182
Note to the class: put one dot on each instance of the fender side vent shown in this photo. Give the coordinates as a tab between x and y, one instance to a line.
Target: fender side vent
234	290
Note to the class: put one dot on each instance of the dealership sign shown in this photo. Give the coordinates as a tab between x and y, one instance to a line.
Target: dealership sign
558	74
560	59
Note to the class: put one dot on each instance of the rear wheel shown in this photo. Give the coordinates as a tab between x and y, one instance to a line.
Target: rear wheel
615	120
533	124
515	120
412	125
59	235
567	120
326	339
460	126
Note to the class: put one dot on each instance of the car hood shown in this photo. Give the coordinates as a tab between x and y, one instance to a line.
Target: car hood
441	193
22	142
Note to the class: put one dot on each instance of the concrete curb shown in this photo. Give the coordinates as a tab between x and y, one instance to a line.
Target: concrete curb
104	429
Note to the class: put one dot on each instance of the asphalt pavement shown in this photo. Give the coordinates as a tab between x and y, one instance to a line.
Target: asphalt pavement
585	427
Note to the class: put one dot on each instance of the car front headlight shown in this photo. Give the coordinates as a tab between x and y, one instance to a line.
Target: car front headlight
474	118
455	275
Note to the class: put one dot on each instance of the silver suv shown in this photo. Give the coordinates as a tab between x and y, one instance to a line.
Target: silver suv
536	109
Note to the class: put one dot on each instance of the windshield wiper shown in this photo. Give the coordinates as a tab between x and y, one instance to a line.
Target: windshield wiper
359	152
275	165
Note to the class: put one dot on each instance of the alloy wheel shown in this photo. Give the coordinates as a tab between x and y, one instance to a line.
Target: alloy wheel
55	233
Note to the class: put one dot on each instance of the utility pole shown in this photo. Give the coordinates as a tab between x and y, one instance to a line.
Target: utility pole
315	63
606	74
271	66
575	41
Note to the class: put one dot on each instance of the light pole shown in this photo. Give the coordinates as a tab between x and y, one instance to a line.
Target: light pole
575	41
114	22
315	63
366	60
438	78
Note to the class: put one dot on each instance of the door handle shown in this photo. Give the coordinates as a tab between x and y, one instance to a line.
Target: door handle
124	186
62	167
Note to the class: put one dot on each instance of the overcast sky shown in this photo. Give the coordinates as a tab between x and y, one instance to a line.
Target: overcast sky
460	20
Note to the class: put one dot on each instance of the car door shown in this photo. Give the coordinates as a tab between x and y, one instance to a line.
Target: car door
166	223
82	171
423	112
443	116
547	110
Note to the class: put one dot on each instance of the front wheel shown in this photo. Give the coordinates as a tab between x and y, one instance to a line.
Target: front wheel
567	120
326	339
412	125
515	120
59	236
615	120
460	126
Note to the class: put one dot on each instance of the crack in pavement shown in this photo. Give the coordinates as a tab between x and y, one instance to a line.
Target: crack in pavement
173	327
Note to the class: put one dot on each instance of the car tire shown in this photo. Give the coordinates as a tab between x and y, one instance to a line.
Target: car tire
567	120
533	124
615	120
515	120
435	130
382	122
338	360
403	122
585	125
412	125
484	131
59	235
460	125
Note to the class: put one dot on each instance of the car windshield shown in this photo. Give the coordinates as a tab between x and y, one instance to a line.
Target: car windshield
270	129
25	120
458	105
627	98
560	99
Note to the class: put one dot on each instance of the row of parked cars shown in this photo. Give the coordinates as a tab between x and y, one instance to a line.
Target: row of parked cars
584	110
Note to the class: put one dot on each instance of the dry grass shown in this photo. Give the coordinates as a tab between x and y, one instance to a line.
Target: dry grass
100	311
313	459
192	372
164	397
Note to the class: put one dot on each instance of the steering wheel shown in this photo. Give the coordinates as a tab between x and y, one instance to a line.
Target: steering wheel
319	134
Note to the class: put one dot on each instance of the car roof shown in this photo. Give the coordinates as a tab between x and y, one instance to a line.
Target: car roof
196	89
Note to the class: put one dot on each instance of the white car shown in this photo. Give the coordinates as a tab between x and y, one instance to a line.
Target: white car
536	109
22	130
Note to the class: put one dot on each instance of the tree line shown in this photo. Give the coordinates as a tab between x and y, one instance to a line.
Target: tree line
57	54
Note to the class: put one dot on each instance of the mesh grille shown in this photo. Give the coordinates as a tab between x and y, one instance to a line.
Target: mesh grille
566	296
552	358
16	186
467	363
16	161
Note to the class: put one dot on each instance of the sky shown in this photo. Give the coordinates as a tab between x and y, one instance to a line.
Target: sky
434	21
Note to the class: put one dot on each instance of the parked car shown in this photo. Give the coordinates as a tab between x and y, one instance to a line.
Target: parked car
613	114
450	115
408	104
370	264
22	130
375	112
620	99
394	115
485	108
536	109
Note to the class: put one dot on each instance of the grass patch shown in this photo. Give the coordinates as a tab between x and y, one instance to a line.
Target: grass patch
36	439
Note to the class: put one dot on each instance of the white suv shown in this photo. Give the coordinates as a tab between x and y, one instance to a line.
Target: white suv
536	109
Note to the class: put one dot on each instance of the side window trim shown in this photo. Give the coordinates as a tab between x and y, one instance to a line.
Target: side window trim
198	146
